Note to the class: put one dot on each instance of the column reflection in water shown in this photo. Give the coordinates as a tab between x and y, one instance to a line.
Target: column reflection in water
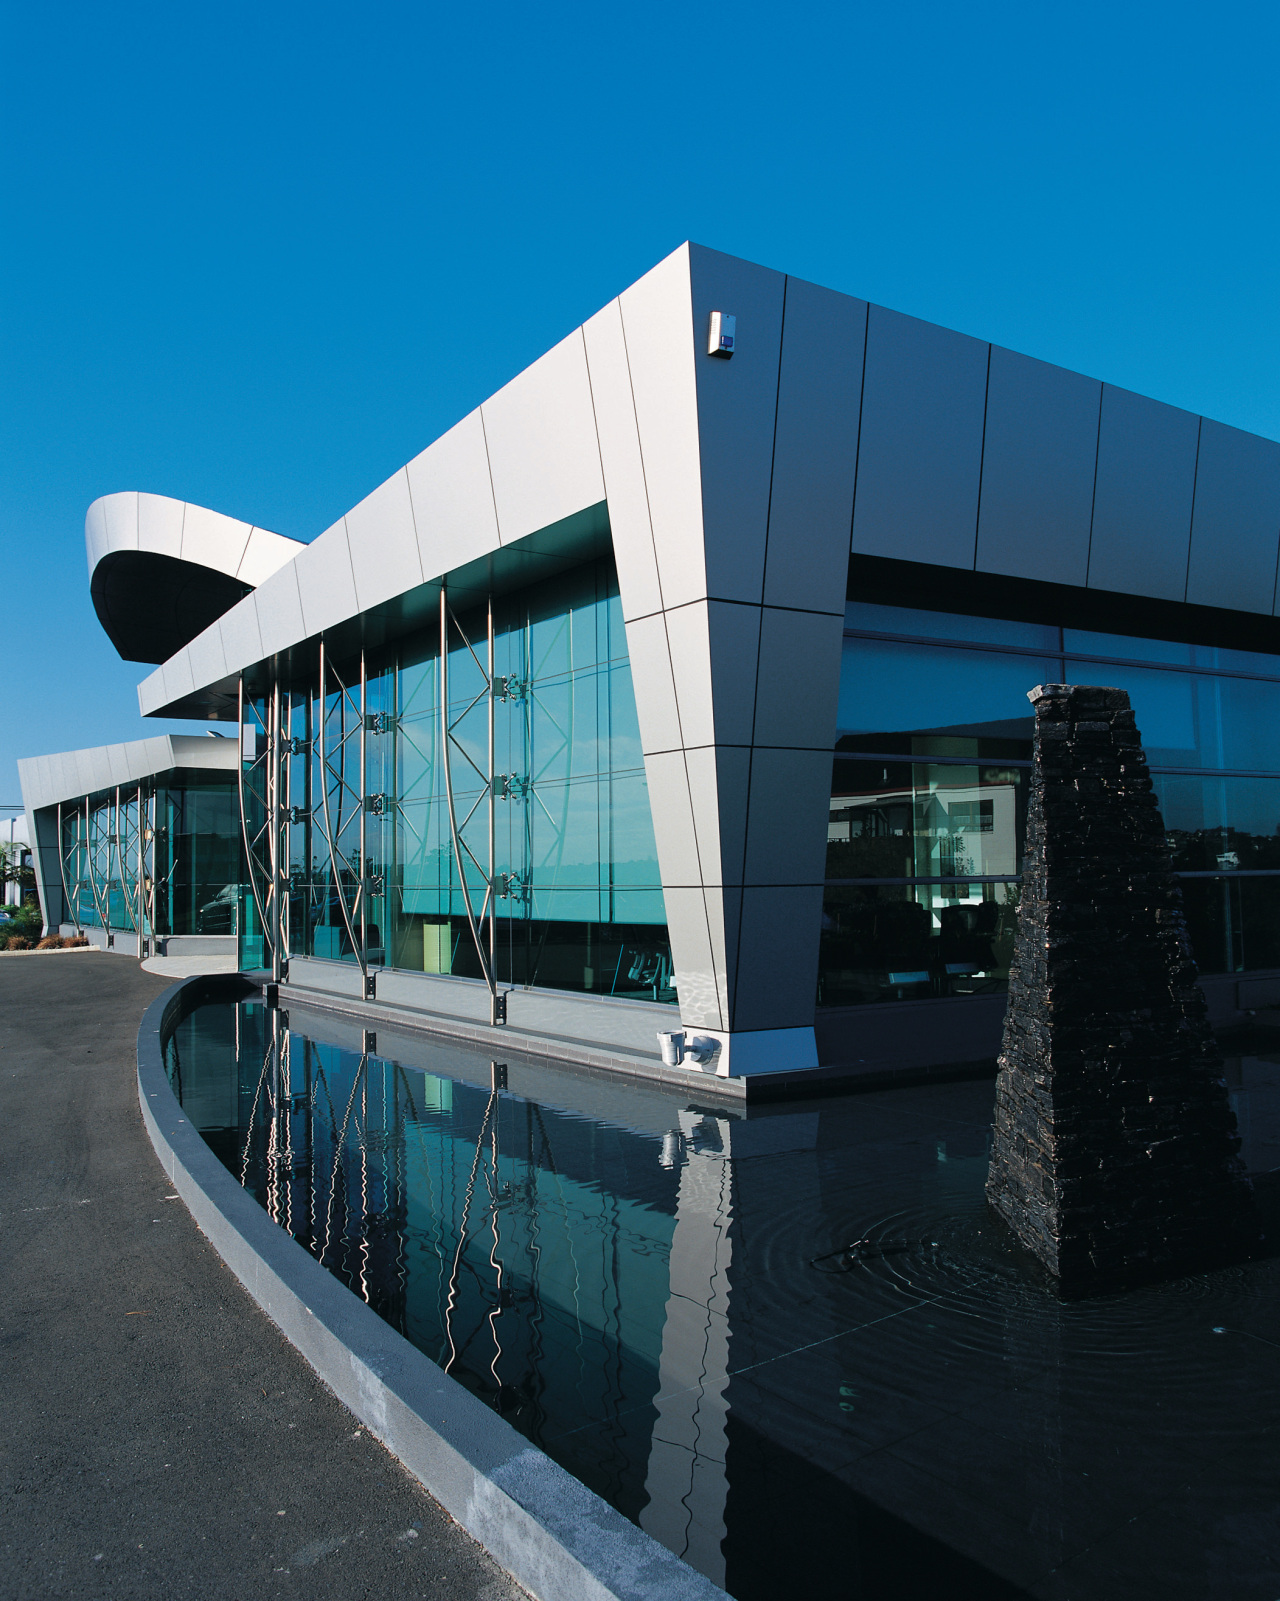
656	1294
475	1221
687	1483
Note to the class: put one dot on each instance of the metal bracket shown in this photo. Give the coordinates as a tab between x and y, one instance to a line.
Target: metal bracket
510	786
379	805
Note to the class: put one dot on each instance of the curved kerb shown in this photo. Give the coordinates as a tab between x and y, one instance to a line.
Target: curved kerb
553	1535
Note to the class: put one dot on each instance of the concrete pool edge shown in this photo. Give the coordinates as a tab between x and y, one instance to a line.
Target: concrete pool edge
557	1538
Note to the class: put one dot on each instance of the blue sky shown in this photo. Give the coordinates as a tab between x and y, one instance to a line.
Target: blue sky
257	256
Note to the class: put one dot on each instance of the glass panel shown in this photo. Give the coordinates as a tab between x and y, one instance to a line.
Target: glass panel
1244	661
925	820
578	893
915	942
1090	643
1234	923
1191	721
889	690
1163	650
198	856
948	625
1220	823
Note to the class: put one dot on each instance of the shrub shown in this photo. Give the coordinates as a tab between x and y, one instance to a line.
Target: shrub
51	942
73	941
17	942
24	920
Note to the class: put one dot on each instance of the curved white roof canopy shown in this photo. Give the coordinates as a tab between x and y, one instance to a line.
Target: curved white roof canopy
161	570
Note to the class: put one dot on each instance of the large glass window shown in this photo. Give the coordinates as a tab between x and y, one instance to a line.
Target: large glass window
579	897
929	791
197	855
181	838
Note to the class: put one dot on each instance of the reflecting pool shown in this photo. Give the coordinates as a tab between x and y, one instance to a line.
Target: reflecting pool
659	1294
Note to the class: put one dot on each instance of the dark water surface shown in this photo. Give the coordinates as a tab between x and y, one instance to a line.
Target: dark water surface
642	1287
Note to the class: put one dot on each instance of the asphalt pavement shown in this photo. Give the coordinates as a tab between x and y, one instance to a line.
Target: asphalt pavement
158	1436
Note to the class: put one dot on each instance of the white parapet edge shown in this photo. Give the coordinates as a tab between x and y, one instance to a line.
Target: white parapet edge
552	1535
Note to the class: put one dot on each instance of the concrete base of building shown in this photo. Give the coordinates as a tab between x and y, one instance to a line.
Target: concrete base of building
618	1038
120	941
576	1031
123	940
197	945
751	1051
189	966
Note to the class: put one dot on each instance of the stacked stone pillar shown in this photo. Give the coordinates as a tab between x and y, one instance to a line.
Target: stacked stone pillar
1114	1159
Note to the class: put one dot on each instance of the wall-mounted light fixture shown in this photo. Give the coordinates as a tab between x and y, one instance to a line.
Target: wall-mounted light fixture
723	334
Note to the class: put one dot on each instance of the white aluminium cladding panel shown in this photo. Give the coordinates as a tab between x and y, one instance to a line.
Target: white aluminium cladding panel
383	543
207	657
279	608
160	522
452	497
737	412
71	775
622	464
540	430
1038	460
161	526
241	641
1142	501
326	586
920	455
1235	526
660	344
815	447
720	444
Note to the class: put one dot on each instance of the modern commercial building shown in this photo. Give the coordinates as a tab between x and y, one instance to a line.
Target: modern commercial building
138	845
686	677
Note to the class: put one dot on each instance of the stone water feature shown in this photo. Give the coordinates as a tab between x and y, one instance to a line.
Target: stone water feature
1114	1158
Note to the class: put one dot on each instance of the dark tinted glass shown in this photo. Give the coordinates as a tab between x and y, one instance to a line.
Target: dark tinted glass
888	688
948	625
1220	823
1187	720
914	942
1234	923
925	820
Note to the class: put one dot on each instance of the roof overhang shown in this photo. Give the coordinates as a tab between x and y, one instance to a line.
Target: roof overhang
161	570
72	774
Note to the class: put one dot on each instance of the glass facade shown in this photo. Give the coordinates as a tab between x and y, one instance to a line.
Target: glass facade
578	896
930	781
178	833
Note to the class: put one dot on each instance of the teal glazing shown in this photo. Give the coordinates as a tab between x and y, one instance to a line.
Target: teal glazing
186	829
578	894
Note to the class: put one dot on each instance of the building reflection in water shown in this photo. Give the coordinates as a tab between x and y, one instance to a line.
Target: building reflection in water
656	1294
